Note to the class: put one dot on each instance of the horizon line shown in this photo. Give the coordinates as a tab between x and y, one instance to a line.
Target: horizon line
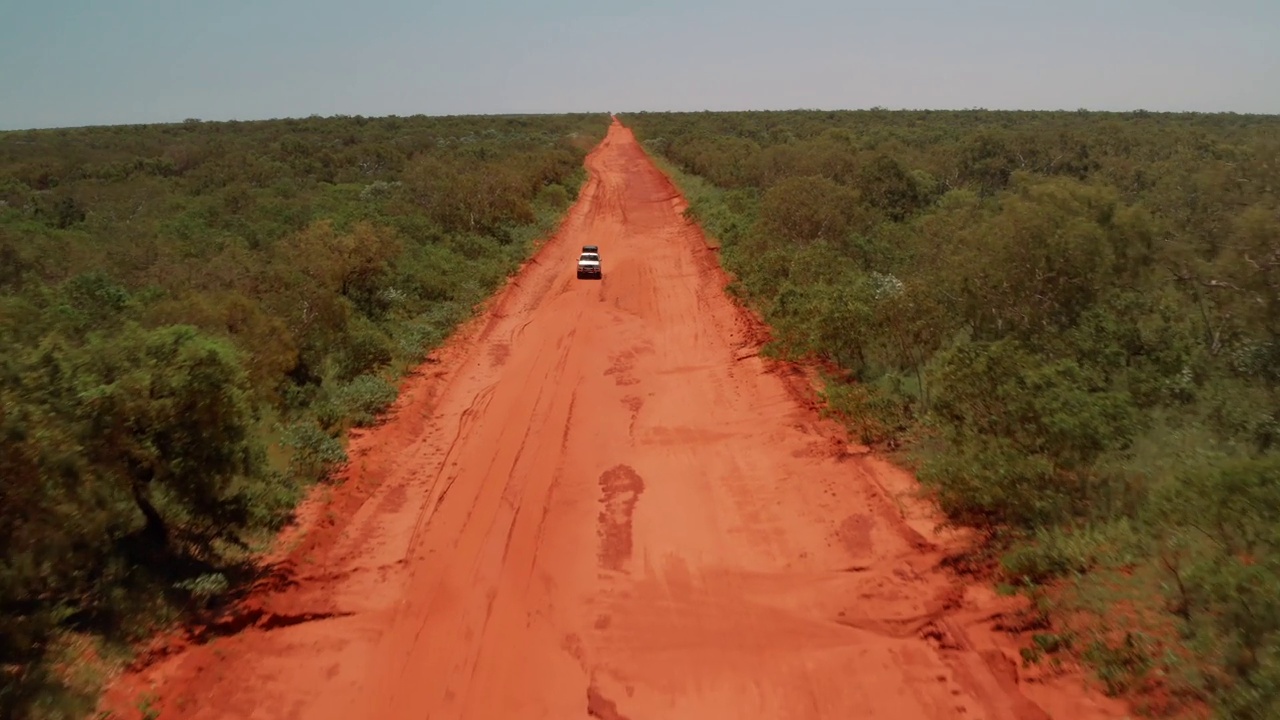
617	113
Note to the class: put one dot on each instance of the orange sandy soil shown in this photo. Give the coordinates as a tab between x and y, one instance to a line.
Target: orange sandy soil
598	501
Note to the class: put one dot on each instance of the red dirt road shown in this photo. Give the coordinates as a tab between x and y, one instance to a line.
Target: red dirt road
599	502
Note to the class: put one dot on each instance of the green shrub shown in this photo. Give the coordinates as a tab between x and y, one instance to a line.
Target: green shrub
365	397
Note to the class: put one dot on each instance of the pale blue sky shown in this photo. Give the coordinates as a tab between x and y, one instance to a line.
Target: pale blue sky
89	62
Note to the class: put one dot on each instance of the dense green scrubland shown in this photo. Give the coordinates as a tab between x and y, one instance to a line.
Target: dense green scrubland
1071	321
191	317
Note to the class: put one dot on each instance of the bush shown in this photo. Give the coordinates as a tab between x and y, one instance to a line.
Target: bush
365	397
316	453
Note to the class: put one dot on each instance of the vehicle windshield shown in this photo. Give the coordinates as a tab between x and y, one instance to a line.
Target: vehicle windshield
590	257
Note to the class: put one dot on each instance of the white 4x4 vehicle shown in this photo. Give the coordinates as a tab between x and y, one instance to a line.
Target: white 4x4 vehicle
589	262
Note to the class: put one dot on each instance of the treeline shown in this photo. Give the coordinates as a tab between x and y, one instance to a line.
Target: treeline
1071	322
192	315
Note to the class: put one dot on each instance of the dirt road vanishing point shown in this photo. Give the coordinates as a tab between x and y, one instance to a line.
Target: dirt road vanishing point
597	501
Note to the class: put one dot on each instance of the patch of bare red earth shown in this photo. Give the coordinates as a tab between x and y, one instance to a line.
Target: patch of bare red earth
598	501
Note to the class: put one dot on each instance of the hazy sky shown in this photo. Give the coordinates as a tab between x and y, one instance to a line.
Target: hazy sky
88	62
